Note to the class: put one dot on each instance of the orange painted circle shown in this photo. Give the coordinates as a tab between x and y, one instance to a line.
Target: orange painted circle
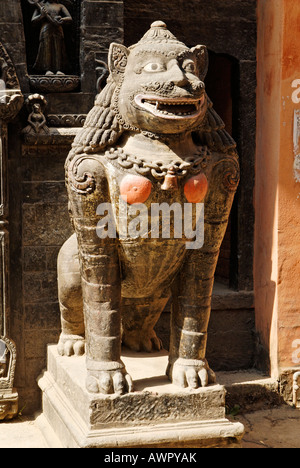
135	189
196	188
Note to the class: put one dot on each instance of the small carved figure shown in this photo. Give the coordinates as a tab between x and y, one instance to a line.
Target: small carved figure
52	56
36	104
152	137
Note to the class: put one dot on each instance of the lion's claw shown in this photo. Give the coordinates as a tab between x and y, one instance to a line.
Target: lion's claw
70	345
190	373
109	382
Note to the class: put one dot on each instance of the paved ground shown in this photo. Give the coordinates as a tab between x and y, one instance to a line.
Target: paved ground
271	428
21	433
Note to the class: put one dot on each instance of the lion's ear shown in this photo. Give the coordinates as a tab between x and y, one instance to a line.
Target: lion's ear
117	59
202	57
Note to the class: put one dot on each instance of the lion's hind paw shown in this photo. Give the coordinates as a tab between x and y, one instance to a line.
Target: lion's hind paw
70	345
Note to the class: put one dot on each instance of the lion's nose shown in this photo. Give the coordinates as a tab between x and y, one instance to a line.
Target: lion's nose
177	76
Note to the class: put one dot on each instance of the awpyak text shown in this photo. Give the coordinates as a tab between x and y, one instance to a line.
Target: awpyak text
152	457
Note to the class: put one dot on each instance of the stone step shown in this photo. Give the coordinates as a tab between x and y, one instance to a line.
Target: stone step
249	390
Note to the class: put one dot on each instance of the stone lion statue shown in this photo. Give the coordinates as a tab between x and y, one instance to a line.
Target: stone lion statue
152	137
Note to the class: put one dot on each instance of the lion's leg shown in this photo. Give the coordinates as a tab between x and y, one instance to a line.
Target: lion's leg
70	299
100	276
193	288
139	317
189	321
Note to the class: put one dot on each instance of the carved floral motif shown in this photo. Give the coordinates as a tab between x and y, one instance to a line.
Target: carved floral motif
54	83
66	120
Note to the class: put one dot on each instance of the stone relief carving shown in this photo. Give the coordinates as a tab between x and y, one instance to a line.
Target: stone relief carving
152	137
8	70
8	358
36	105
66	120
11	99
52	66
8	396
54	83
51	16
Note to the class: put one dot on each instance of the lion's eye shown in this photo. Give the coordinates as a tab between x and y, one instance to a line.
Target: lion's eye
189	67
154	67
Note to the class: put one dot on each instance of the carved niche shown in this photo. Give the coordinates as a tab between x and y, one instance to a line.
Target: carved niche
51	31
36	104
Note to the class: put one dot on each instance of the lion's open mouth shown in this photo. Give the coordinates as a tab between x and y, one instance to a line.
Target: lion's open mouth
170	108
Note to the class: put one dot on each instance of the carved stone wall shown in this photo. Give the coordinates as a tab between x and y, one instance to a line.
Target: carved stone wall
39	222
102	23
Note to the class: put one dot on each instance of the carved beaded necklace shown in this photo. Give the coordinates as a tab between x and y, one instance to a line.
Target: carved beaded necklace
159	169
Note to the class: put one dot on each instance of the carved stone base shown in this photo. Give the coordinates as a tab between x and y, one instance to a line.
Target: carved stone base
8	405
156	414
54	83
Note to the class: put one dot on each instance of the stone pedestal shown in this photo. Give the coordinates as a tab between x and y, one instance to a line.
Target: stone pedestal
156	414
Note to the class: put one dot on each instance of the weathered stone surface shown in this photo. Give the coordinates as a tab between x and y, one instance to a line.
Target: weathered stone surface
154	400
239	19
231	346
102	23
155	415
46	224
248	391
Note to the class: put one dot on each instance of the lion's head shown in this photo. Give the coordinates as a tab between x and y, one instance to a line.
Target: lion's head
156	87
161	87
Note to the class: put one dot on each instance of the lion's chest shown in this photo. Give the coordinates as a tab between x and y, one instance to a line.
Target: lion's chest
156	220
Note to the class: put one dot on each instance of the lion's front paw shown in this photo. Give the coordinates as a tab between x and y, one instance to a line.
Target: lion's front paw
109	381
70	345
142	341
190	373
